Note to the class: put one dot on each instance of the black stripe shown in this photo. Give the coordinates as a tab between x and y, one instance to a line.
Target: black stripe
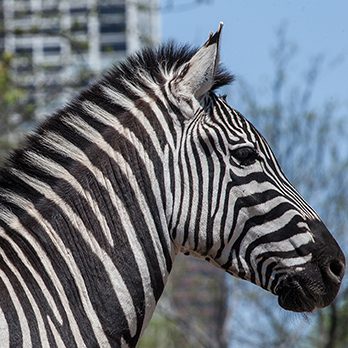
36	262
10	313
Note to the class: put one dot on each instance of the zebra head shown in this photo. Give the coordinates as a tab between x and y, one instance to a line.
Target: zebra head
236	207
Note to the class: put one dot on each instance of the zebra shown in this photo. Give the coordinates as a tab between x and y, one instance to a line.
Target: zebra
148	162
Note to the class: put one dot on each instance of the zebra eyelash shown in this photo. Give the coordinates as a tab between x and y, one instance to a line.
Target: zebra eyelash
245	155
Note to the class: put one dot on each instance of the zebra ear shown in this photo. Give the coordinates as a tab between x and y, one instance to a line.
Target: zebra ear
197	75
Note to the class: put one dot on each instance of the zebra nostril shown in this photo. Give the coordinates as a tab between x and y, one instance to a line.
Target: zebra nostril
335	270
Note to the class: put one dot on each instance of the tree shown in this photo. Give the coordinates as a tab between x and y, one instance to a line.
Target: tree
193	311
17	110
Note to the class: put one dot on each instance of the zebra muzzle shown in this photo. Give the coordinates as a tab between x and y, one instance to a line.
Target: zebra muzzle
316	283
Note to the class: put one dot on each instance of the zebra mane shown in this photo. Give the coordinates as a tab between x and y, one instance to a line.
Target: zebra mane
153	64
158	63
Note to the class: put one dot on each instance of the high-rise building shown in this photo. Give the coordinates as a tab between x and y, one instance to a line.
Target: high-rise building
2	33
55	42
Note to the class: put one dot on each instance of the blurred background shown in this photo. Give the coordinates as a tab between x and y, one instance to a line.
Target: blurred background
290	59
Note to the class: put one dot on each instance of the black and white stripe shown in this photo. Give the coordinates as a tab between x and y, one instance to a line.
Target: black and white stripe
94	207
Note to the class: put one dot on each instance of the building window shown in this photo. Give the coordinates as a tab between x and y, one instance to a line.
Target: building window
112	27
51	50
50	12
24	50
27	68
111	9
78	10
22	13
54	29
113	47
53	68
78	26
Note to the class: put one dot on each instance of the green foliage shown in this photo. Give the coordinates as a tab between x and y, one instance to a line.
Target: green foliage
16	112
192	312
163	333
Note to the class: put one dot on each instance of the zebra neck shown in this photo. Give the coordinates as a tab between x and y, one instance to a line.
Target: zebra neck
134	166
86	214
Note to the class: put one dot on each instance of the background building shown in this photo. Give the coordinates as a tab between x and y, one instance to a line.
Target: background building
58	45
1	27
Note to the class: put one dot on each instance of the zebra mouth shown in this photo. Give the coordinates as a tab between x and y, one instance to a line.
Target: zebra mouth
315	287
294	297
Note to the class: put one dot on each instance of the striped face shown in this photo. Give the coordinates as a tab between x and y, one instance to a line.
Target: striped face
265	228
245	216
238	210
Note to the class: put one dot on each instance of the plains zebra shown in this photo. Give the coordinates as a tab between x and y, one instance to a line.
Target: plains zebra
145	163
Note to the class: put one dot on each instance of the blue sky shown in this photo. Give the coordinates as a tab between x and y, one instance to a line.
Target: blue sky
317	27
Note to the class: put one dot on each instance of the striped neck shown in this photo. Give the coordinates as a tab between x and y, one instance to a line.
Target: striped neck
88	192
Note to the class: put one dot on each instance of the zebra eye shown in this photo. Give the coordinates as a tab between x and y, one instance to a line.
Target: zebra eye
245	155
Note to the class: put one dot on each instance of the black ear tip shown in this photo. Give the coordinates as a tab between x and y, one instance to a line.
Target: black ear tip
214	38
